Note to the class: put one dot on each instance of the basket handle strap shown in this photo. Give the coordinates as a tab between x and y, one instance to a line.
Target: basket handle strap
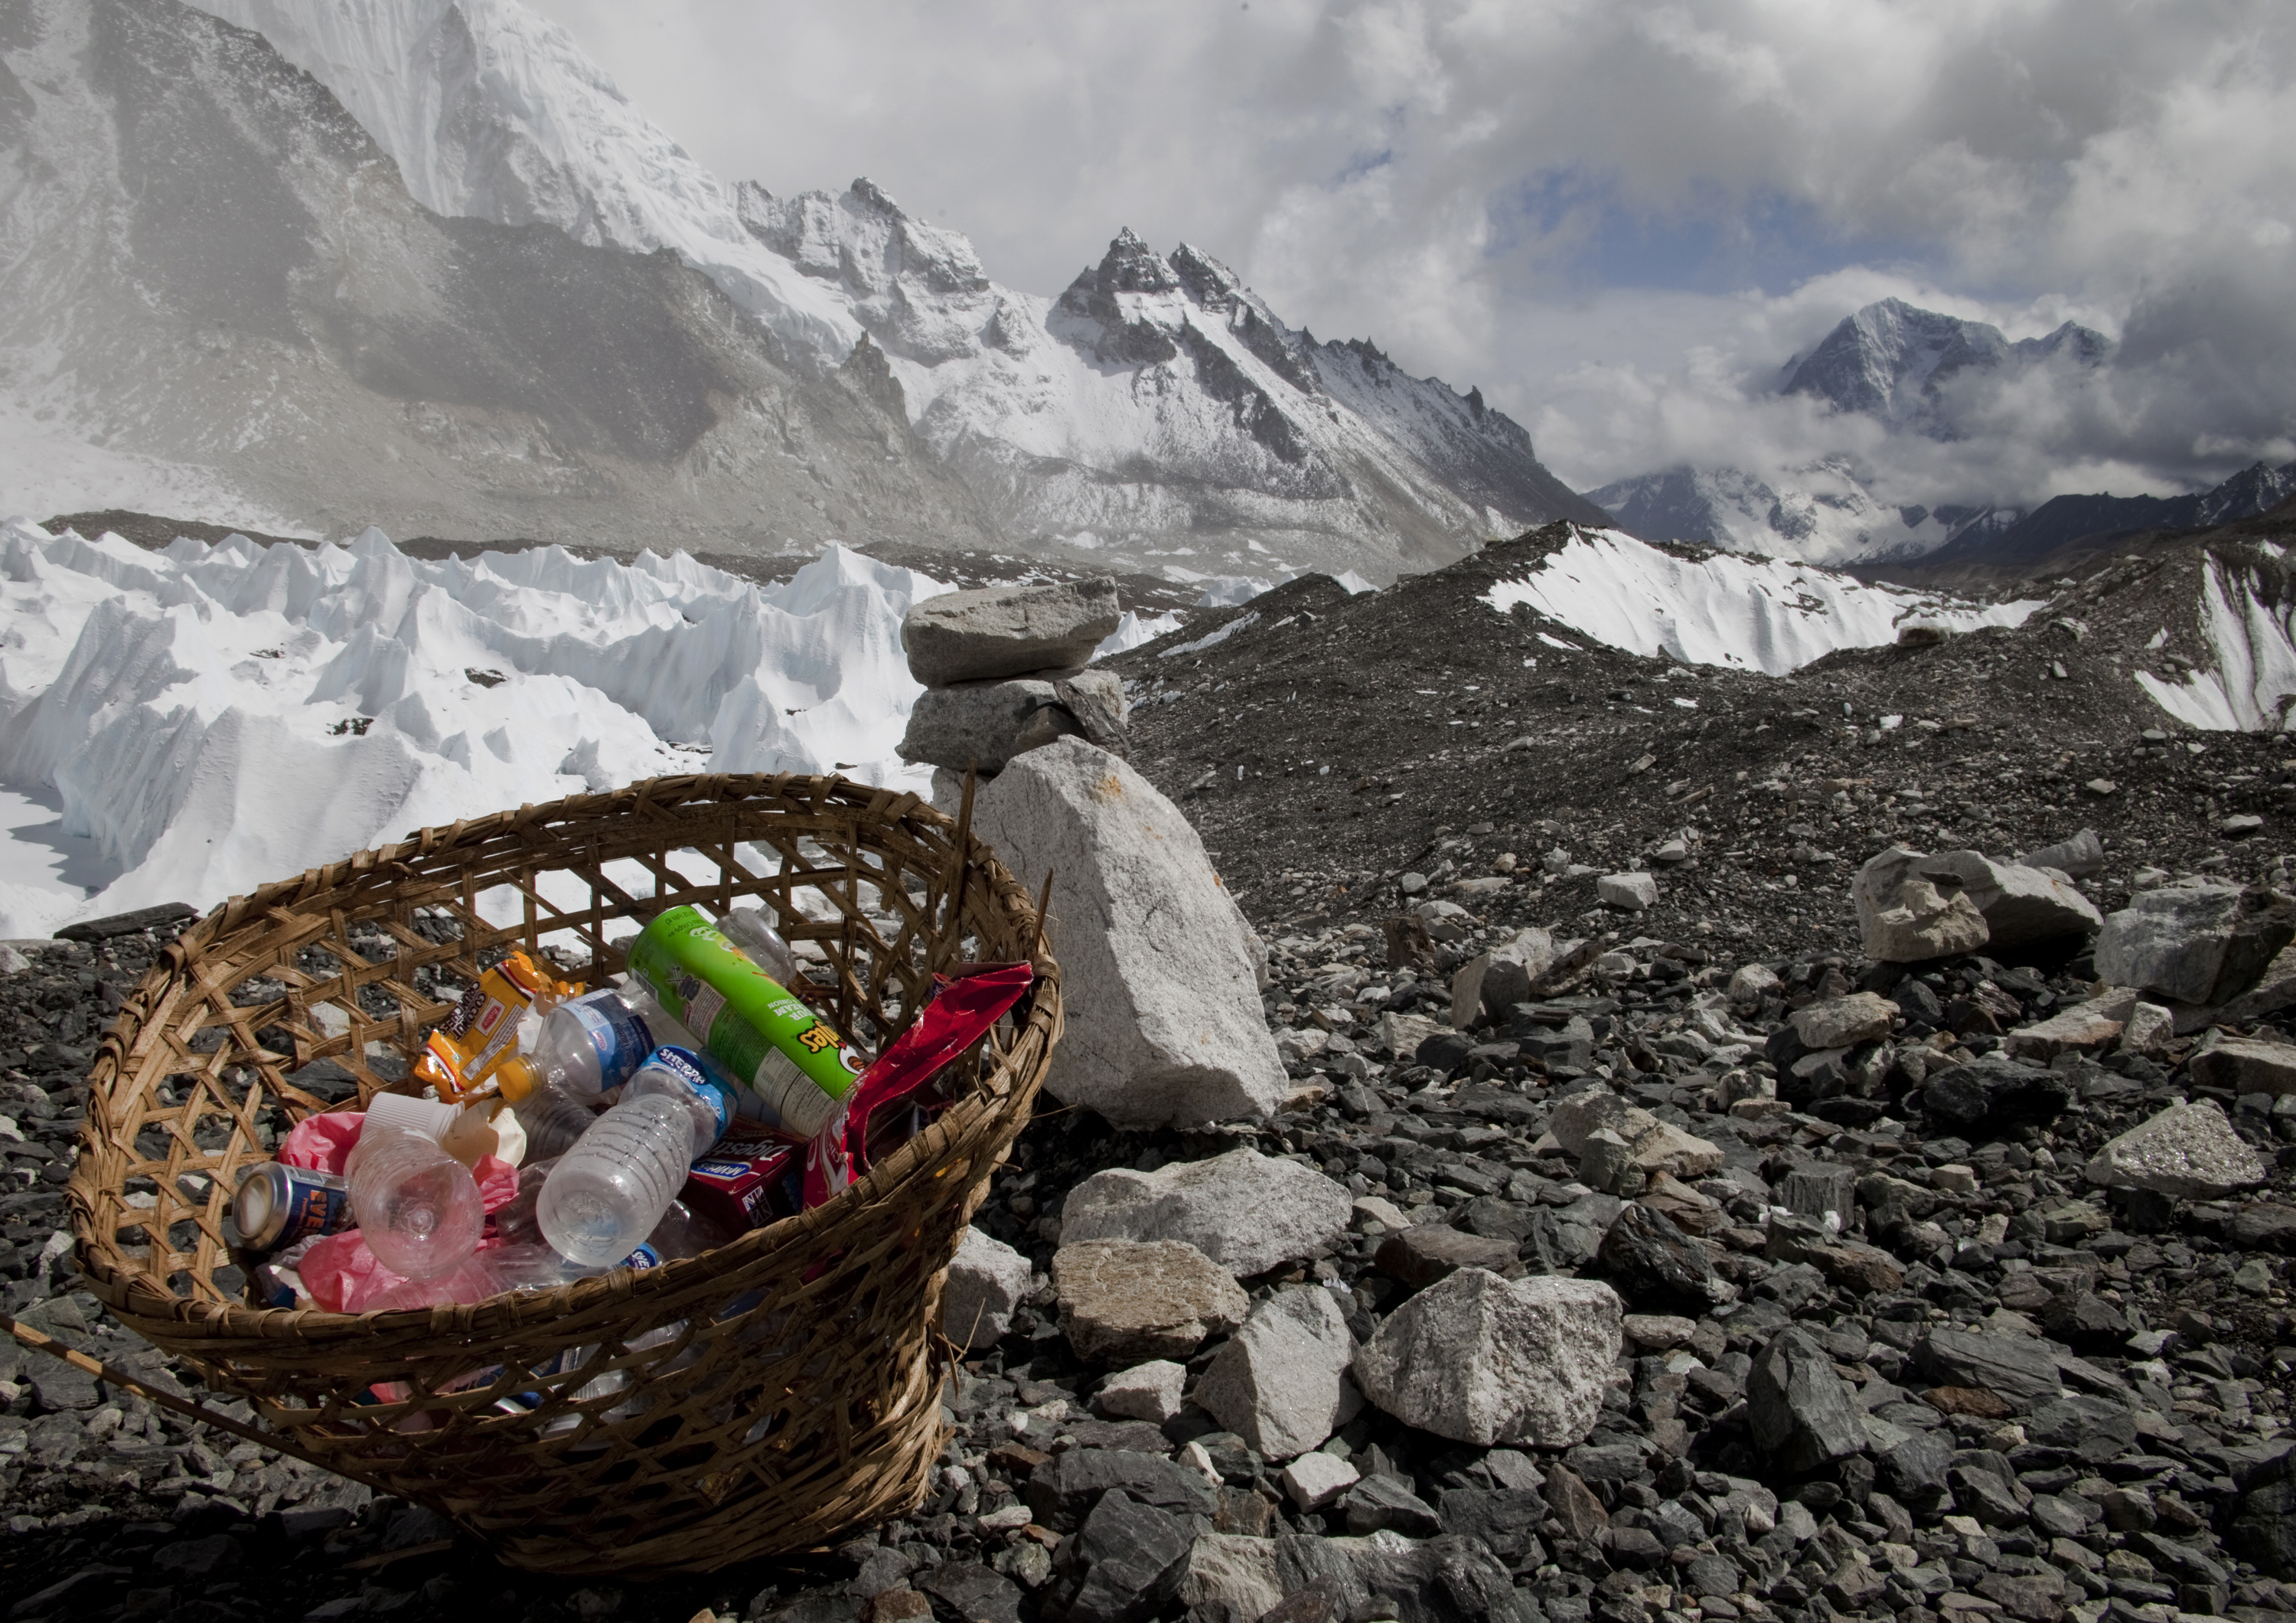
183	1407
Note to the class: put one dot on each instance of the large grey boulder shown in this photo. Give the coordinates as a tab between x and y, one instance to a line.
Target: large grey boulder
2188	1150
1243	1210
1282	1381
987	1280
1483	1360
1008	631
1124	1303
2018	904
2019	1370
1906	918
987	724
1802	1413
1164	1021
2202	941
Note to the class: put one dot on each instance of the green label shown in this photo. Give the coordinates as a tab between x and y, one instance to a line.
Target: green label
795	1062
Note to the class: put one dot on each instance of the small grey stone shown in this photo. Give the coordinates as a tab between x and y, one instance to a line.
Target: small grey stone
1008	631
1483	1360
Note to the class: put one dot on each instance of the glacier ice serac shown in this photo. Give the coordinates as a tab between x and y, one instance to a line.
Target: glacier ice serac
2249	629
210	718
1721	608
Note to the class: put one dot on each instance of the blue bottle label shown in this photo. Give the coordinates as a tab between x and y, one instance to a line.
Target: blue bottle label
617	1035
696	1072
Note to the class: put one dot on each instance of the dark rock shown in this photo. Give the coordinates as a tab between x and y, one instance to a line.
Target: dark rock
2021	1372
1802	1414
1125	1562
2095	1429
2265	1224
1063	1489
1575	1504
1320	1602
199	1559
2031	1598
142	919
1445	1051
1426	1252
1913	1471
1994	1091
974	1592
2086	1323
1506	1519
1713	1577
1382	1502
1655	1265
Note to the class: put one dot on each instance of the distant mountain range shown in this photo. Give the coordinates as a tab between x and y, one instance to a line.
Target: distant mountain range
419	263
1921	373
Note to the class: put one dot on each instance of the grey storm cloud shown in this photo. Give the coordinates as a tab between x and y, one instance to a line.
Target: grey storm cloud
1470	185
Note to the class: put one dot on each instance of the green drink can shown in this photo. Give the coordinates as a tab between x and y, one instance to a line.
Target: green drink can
793	1060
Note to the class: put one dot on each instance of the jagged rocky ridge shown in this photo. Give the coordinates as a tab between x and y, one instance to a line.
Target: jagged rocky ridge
446	279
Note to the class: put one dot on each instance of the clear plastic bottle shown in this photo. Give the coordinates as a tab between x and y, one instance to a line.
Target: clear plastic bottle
553	1118
612	1190
585	1046
747	928
417	1206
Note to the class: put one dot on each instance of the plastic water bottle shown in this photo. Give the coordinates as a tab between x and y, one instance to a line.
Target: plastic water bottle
612	1190
585	1046
553	1119
416	1206
747	928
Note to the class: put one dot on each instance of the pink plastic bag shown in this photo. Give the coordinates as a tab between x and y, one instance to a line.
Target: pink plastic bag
322	1143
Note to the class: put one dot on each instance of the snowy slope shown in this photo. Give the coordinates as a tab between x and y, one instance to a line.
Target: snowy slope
217	298
1721	609
210	718
2250	628
492	113
1156	410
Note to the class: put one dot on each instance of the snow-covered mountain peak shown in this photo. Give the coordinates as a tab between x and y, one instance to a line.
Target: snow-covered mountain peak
918	288
1893	361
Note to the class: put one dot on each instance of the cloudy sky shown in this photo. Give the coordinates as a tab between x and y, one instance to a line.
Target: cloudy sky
1618	218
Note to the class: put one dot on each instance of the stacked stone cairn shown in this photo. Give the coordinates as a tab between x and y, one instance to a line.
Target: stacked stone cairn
1005	671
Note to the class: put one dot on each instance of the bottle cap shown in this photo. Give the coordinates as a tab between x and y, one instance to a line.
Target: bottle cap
518	1076
429	1117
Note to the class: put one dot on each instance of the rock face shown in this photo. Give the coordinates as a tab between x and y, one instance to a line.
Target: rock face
1282	1382
1907	918
1008	631
1483	1360
2188	1150
987	1280
1243	1210
2245	1064
2018	904
1124	1303
2199	942
1164	1022
1802	1414
988	723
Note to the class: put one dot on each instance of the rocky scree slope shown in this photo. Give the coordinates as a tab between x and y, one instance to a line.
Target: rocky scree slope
1327	745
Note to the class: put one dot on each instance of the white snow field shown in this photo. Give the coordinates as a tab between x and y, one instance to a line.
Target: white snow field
185	725
2255	648
1725	608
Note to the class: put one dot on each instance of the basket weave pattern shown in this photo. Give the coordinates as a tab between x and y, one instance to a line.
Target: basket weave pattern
756	1400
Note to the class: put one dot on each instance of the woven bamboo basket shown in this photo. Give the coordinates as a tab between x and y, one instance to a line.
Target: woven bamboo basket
756	1400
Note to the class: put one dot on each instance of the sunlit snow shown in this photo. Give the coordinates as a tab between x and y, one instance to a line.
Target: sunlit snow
1724	608
186	725
2255	674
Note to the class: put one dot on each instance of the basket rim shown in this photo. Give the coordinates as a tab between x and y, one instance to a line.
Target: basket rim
181	1324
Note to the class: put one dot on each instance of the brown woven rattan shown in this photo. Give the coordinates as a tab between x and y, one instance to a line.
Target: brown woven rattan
756	1400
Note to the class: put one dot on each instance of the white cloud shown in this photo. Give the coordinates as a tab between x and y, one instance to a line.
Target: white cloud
1464	182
